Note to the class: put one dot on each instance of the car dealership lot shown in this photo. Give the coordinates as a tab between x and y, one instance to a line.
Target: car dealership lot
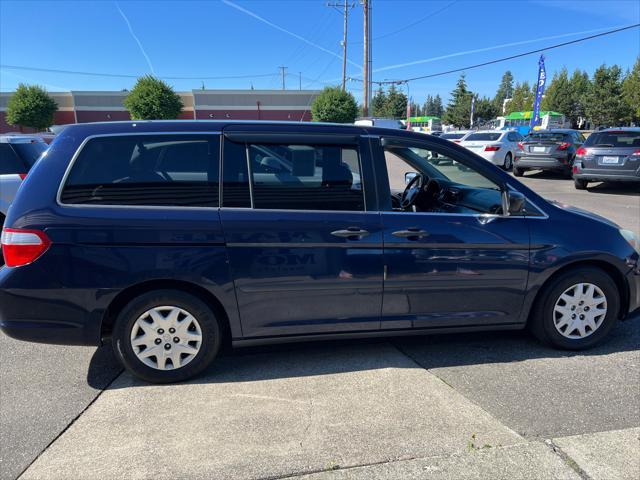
487	404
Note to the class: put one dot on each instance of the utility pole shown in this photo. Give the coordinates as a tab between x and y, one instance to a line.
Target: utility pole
345	5
299	80
366	69
283	69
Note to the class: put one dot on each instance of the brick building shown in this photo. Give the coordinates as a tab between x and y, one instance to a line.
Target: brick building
81	106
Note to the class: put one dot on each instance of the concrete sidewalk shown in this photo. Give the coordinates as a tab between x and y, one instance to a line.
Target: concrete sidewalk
353	411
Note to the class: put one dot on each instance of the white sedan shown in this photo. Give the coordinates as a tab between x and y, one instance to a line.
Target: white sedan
496	146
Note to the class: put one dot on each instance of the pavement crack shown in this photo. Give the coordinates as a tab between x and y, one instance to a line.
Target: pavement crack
567	459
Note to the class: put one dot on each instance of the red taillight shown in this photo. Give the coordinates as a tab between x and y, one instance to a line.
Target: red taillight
576	168
492	148
456	141
22	176
564	146
581	151
521	146
635	154
22	247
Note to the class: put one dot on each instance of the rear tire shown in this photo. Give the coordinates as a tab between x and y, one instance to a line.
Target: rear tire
580	184
518	172
552	310
2	217
191	340
508	161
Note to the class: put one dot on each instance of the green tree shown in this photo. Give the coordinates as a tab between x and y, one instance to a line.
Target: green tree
152	99
396	104
559	95
631	91
522	99
505	90
438	108
31	106
458	111
605	104
580	86
485	110
378	103
334	105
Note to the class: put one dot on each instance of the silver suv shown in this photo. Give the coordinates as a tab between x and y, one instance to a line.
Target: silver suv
18	153
611	155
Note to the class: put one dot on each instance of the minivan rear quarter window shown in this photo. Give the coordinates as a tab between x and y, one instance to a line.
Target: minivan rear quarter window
152	170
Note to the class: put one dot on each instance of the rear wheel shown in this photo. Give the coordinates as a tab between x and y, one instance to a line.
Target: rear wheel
508	161
518	172
166	336
576	310
580	184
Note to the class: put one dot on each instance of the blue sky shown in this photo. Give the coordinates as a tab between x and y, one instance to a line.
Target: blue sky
253	38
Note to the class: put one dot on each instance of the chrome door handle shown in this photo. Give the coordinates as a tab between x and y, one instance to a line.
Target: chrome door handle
351	233
411	234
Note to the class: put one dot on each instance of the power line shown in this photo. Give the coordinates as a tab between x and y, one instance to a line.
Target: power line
124	75
420	20
503	59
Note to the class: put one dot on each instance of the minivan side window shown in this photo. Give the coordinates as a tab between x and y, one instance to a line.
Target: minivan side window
294	177
150	170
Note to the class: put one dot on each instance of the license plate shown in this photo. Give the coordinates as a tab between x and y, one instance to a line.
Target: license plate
539	149
608	159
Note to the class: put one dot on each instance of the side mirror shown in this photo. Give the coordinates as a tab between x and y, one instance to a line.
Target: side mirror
515	202
408	177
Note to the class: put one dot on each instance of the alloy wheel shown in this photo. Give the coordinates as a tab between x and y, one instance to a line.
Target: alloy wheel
580	311
166	337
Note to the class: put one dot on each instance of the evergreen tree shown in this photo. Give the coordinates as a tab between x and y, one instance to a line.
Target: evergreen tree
522	99
559	96
31	106
580	86
631	92
505	90
429	106
485	110
458	110
605	105
378	103
438	109
396	104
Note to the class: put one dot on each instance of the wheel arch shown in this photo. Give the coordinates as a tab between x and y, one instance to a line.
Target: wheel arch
129	293
616	275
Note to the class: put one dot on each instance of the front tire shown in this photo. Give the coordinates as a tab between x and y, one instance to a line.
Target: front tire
166	336
576	310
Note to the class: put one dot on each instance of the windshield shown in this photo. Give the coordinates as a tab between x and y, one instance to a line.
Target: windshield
614	139
30	152
486	137
546	137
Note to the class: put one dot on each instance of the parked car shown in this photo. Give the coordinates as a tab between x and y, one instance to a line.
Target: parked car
547	150
496	146
18	153
610	155
455	137
172	237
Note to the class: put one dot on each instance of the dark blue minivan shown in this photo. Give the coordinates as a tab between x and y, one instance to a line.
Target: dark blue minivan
171	237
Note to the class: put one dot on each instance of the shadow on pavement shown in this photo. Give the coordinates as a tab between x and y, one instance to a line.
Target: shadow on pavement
103	368
318	358
626	189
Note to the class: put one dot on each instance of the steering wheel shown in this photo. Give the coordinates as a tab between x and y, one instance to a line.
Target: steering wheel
412	191
432	190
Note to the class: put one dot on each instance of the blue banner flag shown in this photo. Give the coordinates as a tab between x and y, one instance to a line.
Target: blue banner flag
542	81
